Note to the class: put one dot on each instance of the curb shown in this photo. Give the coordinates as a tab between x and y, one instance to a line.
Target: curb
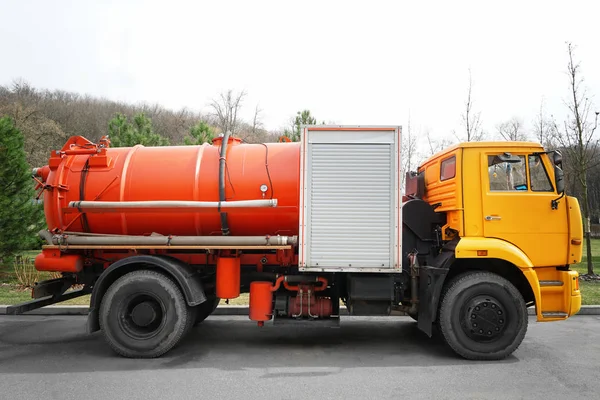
223	310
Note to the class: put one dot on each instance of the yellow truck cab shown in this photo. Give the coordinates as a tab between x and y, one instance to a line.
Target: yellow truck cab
506	209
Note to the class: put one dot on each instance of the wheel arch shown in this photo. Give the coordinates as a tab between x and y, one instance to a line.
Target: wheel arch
184	276
503	258
500	267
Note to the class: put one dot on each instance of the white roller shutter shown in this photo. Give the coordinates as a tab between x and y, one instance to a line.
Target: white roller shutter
351	201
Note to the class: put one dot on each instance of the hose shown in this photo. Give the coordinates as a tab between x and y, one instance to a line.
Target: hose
222	164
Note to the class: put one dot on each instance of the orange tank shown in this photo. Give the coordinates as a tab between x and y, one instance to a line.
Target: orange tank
261	301
85	171
228	277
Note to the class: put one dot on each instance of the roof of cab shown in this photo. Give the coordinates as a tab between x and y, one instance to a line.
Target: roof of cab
464	145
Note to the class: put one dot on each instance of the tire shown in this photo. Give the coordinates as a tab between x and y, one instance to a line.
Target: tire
482	316
205	309
143	314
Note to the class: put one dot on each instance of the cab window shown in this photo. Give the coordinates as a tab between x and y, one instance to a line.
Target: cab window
507	172
538	177
448	169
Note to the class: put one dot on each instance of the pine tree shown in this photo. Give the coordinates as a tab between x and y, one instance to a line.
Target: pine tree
125	134
200	133
302	118
20	216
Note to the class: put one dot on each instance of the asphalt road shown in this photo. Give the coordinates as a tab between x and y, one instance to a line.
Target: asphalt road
230	358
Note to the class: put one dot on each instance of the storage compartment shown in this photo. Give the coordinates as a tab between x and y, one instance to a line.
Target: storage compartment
350	199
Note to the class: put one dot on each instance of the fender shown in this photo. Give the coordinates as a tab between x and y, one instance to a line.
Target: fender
468	246
186	277
433	277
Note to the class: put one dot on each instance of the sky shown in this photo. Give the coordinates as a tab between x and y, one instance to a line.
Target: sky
349	62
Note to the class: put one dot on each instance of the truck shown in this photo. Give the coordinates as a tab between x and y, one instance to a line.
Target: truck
312	230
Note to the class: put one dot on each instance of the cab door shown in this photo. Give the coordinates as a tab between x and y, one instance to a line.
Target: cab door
517	206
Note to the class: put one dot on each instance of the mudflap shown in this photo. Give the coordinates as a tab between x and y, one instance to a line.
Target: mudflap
431	281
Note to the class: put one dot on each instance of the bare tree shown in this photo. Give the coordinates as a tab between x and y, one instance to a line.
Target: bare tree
40	134
436	145
408	150
226	109
512	130
543	128
577	138
256	122
77	114
470	118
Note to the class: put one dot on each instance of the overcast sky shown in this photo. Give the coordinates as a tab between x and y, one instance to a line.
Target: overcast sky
363	62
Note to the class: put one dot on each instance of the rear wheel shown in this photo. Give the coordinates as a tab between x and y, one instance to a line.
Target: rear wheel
482	316
205	309
143	315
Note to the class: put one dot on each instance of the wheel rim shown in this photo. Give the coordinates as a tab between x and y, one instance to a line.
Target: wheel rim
142	316
484	318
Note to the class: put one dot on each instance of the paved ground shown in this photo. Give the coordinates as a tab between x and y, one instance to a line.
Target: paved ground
230	358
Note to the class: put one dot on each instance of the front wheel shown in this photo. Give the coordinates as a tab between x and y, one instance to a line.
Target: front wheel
482	316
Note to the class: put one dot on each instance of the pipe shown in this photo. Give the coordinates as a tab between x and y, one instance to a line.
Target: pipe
296	287
89	205
222	165
175	240
46	235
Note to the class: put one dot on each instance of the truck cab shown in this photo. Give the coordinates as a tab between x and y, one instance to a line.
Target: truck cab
505	207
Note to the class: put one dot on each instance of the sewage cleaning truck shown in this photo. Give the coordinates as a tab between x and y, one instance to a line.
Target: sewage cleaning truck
159	235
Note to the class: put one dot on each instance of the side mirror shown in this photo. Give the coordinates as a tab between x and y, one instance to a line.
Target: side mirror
557	157
559	180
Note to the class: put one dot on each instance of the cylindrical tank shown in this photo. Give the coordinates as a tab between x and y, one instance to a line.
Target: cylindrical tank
228	277
261	301
188	173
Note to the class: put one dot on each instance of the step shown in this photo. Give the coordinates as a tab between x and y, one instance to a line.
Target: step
551	283
554	314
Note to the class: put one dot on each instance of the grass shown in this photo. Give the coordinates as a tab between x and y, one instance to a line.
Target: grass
590	291
11	293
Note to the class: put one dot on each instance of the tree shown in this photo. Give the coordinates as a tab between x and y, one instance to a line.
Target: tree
200	133
122	133
471	119
226	109
59	114
512	130
436	145
20	215
578	140
408	150
543	128
40	134
302	118
256	122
